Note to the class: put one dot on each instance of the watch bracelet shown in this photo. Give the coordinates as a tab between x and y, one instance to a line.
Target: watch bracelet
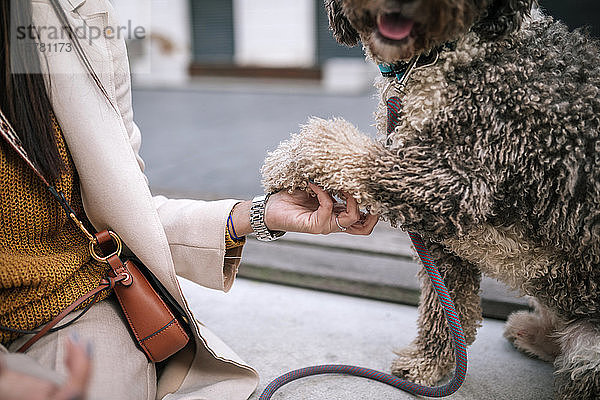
257	220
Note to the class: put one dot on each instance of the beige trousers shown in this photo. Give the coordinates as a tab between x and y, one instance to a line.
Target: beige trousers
120	370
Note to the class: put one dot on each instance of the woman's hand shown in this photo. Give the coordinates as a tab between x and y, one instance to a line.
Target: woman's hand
15	385
301	212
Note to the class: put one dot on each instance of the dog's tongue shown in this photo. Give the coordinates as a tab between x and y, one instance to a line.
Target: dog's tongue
394	26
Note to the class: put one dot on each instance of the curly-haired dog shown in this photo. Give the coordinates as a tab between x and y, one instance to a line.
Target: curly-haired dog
496	163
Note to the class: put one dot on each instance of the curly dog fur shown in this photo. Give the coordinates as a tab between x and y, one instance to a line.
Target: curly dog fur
496	163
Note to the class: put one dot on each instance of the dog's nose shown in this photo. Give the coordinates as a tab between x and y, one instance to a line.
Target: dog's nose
396	4
407	8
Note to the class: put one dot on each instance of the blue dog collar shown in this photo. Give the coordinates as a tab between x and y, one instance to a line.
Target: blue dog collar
401	68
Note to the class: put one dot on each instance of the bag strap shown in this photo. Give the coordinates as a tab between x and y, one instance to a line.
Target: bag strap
109	242
121	276
9	134
105	284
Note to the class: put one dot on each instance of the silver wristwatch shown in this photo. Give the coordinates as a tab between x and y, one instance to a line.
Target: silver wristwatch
257	220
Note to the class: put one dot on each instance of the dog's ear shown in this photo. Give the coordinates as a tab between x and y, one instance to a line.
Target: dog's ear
502	17
343	31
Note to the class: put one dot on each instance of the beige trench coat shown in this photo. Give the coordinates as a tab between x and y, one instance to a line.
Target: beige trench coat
182	237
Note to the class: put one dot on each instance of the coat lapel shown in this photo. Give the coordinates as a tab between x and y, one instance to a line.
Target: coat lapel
75	4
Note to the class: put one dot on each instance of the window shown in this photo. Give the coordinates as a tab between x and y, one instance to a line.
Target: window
212	31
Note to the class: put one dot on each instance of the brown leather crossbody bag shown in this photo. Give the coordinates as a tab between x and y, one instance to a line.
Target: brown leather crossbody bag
157	322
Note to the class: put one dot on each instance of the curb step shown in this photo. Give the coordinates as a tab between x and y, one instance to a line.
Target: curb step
379	267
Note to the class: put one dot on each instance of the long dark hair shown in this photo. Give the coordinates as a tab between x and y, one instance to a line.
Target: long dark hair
25	100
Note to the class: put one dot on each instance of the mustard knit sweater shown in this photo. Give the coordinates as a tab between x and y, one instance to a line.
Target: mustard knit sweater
44	260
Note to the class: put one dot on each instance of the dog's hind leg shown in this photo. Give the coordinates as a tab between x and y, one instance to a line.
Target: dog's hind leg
534	333
578	365
431	355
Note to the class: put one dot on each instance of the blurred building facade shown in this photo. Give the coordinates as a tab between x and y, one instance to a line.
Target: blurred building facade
247	38
263	39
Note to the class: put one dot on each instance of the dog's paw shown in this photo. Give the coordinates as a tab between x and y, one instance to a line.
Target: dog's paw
332	153
415	367
532	334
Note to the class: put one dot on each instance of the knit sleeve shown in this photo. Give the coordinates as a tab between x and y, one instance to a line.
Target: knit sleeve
230	243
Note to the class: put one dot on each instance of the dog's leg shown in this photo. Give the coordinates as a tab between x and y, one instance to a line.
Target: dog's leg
534	333
424	186
431	355
578	365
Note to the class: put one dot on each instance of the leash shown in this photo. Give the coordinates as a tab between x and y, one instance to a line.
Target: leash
401	72
458	337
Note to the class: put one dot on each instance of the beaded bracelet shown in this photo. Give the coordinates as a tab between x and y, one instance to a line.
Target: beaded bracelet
232	233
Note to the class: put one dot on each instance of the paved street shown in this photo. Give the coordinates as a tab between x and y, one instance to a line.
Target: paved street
212	141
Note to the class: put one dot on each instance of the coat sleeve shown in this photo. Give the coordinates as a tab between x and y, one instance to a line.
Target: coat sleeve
196	232
195	229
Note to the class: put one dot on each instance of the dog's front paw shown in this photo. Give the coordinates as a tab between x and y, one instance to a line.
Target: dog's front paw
332	153
418	368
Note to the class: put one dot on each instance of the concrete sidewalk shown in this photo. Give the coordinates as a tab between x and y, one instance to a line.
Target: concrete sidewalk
277	328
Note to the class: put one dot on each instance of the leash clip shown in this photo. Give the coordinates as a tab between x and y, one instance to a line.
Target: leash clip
402	71
400	75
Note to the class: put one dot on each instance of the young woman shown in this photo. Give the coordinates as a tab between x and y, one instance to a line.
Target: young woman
76	123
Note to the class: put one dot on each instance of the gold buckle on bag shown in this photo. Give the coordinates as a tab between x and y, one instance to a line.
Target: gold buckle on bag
117	253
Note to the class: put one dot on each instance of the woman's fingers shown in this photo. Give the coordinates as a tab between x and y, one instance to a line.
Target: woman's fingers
351	214
17	385
325	210
331	216
352	207
79	367
365	226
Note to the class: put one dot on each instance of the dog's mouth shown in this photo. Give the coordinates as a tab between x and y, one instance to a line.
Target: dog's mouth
394	26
